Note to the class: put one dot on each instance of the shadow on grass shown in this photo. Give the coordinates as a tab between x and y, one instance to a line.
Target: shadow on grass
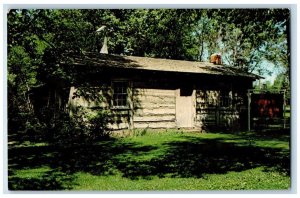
190	157
64	162
50	180
276	135
196	157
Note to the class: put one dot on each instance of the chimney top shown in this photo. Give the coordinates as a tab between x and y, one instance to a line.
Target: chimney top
216	59
104	49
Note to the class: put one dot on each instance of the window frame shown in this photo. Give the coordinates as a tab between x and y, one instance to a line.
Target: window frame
113	100
222	99
225	99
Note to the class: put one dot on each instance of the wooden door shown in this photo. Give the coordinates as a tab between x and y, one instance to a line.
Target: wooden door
185	107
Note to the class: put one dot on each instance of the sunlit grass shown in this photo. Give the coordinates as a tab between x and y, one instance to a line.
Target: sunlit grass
253	179
32	173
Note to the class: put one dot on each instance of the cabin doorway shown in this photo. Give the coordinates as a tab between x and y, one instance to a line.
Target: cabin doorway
185	107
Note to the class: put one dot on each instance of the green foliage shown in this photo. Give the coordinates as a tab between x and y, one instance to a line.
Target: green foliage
245	36
64	129
282	82
138	132
166	33
98	125
79	128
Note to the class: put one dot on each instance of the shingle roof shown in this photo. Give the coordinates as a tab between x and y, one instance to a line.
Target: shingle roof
157	64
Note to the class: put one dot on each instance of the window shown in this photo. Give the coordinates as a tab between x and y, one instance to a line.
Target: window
225	99
120	94
211	98
215	98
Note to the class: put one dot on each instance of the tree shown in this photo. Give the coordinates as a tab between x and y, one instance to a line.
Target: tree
39	40
261	31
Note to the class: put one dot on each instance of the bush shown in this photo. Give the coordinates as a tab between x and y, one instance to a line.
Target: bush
78	128
64	129
25	126
97	126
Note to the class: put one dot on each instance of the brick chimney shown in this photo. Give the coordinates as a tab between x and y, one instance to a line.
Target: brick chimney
216	59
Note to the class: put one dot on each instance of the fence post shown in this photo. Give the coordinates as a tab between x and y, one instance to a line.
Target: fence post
284	109
249	113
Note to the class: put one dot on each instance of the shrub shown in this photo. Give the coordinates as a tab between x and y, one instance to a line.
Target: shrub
79	128
98	125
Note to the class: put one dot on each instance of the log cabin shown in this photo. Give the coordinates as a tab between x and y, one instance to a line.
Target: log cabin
143	92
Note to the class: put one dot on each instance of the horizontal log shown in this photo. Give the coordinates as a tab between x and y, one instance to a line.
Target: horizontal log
154	92
154	125
152	105
118	126
155	99
154	118
160	111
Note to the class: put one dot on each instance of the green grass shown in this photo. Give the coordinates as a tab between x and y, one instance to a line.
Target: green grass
252	179
168	160
32	173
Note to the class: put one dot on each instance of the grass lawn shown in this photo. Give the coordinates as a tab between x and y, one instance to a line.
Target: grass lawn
167	160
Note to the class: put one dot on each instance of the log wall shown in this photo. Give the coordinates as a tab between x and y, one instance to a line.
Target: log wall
154	108
152	100
210	114
100	100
